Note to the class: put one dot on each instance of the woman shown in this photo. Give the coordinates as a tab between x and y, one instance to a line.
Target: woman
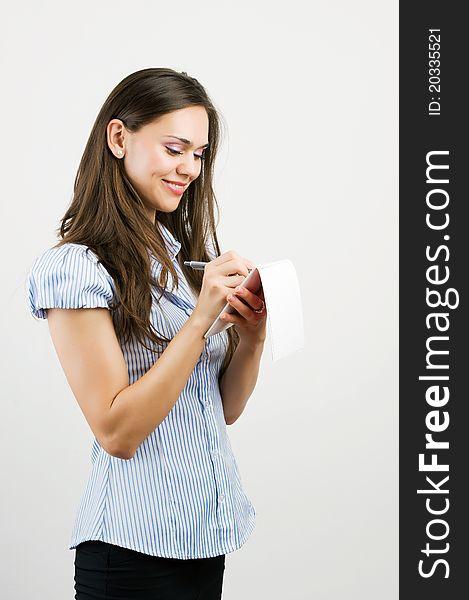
164	501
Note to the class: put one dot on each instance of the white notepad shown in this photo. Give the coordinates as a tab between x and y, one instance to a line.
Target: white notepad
282	297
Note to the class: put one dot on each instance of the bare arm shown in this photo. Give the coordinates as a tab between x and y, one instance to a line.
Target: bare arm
139	408
239	379
121	416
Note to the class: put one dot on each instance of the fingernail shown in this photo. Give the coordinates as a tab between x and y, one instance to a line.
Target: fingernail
238	289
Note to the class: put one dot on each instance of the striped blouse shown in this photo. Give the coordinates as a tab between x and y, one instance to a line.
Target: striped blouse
181	495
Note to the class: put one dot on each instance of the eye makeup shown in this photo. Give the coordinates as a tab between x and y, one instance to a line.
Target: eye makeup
187	142
174	152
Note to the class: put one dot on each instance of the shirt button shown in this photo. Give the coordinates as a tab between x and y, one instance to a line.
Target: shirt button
221	497
215	453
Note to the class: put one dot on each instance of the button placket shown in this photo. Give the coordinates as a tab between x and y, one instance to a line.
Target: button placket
206	361
212	438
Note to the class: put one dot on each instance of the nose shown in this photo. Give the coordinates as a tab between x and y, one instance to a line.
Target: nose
188	165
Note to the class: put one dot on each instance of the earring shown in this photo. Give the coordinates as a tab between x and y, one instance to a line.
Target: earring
119	152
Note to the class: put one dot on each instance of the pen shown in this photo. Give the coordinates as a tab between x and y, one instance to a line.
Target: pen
200	266
195	264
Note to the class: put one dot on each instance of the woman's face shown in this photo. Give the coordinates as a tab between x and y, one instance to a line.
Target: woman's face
153	155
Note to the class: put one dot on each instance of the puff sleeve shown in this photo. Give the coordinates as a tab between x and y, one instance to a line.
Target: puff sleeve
68	277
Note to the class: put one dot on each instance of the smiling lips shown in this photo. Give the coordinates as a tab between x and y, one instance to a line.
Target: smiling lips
176	188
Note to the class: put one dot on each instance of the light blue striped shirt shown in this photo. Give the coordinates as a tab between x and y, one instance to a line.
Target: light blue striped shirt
181	495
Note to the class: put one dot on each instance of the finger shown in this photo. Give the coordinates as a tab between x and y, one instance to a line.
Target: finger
232	318
236	264
234	267
232	281
254	301
224	257
244	310
233	260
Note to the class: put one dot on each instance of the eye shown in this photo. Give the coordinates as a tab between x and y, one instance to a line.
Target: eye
176	152
173	152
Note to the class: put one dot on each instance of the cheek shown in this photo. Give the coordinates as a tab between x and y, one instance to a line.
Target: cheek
161	163
137	163
147	161
158	163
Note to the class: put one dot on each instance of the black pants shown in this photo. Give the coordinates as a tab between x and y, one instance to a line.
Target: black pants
107	572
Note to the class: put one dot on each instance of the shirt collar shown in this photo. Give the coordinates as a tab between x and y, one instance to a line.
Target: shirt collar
184	295
172	244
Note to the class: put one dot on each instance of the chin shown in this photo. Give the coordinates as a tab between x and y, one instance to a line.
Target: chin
166	207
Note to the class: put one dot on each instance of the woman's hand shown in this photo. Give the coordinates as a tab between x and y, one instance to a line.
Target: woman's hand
221	276
250	325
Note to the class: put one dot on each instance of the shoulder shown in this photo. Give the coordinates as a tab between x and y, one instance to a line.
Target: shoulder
68	261
65	254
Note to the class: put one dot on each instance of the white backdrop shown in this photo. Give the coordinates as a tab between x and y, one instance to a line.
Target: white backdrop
308	170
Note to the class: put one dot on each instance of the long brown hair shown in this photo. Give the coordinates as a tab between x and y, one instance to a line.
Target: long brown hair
107	214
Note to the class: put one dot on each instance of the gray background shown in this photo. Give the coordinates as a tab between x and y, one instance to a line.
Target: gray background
308	171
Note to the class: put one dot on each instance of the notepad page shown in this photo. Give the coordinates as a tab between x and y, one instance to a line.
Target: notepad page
283	303
284	307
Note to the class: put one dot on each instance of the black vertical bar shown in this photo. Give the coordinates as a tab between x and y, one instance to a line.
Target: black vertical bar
432	111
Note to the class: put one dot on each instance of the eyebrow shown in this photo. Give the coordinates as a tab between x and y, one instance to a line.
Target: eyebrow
188	142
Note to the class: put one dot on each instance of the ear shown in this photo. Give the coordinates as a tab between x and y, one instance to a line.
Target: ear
115	135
